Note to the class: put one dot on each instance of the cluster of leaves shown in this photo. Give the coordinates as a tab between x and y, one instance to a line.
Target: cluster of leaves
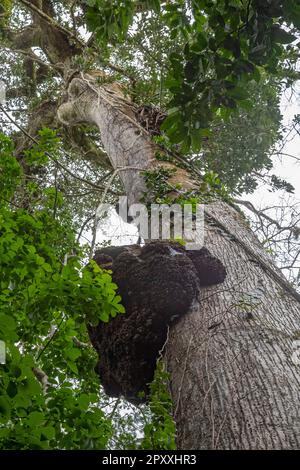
46	298
160	191
112	19
226	46
279	183
160	433
242	146
157	185
221	47
237	149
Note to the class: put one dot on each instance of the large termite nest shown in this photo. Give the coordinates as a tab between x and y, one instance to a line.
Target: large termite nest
158	284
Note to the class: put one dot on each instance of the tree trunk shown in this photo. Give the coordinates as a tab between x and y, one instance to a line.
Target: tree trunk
233	358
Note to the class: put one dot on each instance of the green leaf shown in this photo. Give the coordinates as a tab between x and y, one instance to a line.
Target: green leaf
281	36
232	44
7	327
4	409
35	419
170	121
200	43
119	308
84	401
73	353
12	389
196	142
73	367
48	432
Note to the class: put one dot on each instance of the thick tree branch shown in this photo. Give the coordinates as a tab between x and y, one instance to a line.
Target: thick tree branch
79	140
52	22
25	38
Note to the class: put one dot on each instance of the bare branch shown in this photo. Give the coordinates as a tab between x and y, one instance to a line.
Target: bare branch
42	378
261	214
34	58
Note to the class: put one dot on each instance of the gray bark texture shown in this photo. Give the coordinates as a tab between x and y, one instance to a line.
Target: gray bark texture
233	359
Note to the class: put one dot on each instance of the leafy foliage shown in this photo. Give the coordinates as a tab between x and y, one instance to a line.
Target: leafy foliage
242	146
46	298
160	432
221	46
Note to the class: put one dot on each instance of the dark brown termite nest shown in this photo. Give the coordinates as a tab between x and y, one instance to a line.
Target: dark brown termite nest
158	284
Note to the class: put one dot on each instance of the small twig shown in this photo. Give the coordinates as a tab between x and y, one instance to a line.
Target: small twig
83	227
160	352
13	204
33	57
260	214
50	340
79	344
115	408
211	218
73	16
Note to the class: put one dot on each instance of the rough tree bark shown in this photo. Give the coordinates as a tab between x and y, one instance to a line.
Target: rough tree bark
233	358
